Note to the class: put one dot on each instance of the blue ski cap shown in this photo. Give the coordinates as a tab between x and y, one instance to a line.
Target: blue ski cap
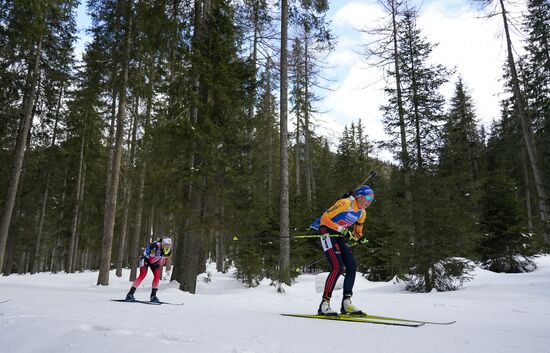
365	190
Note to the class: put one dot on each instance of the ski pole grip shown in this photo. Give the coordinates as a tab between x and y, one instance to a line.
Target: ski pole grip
372	173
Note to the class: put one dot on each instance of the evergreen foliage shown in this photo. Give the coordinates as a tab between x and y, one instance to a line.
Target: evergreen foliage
504	244
193	107
537	75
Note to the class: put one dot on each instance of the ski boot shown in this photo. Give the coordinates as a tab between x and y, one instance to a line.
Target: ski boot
348	308
325	309
154	298
130	295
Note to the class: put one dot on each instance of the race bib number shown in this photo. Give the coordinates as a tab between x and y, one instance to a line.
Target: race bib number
326	243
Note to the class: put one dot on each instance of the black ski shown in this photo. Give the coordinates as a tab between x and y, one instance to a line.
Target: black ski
144	302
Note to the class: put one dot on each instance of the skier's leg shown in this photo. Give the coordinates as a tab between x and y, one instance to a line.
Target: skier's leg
335	265
141	277
155	285
332	253
351	266
156	276
351	269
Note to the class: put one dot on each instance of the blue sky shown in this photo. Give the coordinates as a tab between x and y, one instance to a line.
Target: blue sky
83	21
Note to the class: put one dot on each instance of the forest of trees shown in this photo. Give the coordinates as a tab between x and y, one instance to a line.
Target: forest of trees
172	124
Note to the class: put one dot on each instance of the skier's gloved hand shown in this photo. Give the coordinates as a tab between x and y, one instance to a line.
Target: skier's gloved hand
363	240
346	233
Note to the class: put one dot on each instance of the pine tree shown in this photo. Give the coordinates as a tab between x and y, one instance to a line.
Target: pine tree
461	145
422	99
504	246
352	157
537	72
385	52
38	37
257	19
414	113
525	121
537	27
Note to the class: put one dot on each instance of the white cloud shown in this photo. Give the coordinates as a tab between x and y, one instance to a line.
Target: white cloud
357	14
467	42
472	46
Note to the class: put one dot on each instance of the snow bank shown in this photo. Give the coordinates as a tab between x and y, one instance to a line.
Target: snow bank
59	313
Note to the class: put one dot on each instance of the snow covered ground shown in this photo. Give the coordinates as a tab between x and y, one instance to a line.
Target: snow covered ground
59	313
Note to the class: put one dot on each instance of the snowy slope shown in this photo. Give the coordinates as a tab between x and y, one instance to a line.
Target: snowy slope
59	313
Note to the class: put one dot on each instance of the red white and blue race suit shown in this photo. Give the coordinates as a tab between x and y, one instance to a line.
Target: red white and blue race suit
153	257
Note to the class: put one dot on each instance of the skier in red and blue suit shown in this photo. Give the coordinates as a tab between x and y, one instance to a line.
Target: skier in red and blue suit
346	213
154	256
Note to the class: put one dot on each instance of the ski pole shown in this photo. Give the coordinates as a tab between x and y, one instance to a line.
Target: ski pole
372	173
306	236
323	258
314	236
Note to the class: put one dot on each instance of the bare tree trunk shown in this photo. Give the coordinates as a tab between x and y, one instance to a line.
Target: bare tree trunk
53	260
127	194
188	265
220	243
284	255
20	148
76	254
38	248
198	19
307	161
297	162
74	224
139	208
400	110
79	218
10	258
415	101
527	131
109	220
110	143
254	60
298	110
57	263
312	178
194	250
418	139
110	139
270	143
525	170
137	223
21	264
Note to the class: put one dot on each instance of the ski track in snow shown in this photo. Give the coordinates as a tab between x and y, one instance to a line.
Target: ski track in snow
495	313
